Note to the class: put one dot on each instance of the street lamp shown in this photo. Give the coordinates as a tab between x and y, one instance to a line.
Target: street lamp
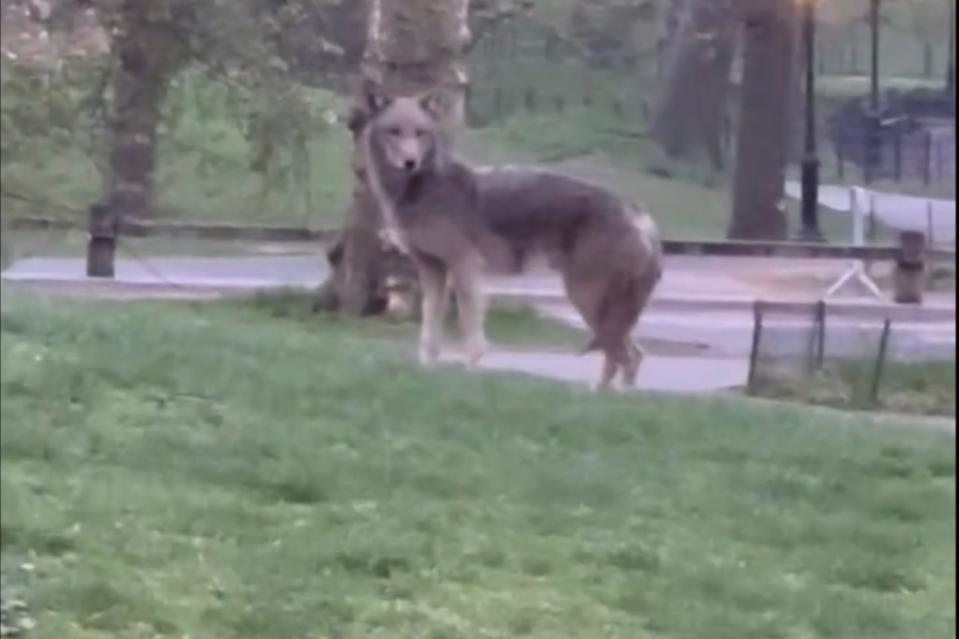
951	66
810	161
872	140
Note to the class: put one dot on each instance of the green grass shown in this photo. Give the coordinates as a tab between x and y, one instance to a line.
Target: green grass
507	324
215	471
927	388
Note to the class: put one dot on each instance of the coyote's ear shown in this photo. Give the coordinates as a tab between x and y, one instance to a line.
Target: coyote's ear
356	120
435	103
376	102
373	98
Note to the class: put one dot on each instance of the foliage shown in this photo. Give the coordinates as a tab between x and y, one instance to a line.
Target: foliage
51	122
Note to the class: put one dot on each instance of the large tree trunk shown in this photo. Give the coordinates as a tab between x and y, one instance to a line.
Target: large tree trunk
412	46
763	139
689	114
146	56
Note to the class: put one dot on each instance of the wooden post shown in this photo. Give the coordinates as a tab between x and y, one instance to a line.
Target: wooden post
927	158
910	271
840	163
101	246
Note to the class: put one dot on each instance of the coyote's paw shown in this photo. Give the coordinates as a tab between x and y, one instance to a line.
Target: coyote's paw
475	349
428	354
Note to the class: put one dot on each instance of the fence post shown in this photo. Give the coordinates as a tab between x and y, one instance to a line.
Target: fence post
529	99
754	351
897	154
909	274
840	162
101	245
880	361
939	158
820	334
927	157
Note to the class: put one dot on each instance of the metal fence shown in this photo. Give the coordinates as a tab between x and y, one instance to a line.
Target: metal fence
810	355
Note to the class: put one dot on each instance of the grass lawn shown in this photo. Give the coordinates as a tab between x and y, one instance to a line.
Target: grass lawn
927	388
232	470
512	324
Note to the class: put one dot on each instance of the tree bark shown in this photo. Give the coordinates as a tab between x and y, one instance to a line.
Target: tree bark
763	138
689	115
412	46
146	56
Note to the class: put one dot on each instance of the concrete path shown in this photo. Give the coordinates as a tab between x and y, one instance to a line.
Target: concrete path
729	333
898	211
703	303
689	282
658	373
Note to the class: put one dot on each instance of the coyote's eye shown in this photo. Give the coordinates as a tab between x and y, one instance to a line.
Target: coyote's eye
394	131
420	133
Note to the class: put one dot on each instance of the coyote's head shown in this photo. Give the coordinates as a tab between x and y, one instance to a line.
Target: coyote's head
405	132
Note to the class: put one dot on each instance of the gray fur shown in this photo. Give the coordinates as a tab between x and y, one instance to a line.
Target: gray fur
455	221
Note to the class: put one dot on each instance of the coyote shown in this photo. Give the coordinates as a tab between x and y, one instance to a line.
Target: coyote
455	221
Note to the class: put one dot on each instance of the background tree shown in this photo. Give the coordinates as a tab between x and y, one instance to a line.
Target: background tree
691	108
762	141
411	47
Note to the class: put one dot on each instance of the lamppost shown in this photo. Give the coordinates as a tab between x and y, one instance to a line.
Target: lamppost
951	66
872	140
810	161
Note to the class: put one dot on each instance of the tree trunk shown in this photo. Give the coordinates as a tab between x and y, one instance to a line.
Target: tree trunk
669	28
146	56
763	138
412	46
689	114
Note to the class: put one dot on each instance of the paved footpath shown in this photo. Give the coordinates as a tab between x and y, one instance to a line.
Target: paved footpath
696	332
659	372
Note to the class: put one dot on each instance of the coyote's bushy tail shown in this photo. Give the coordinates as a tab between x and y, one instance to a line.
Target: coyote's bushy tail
623	300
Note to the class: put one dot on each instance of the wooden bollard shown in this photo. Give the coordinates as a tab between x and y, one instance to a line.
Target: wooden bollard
101	246
909	275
